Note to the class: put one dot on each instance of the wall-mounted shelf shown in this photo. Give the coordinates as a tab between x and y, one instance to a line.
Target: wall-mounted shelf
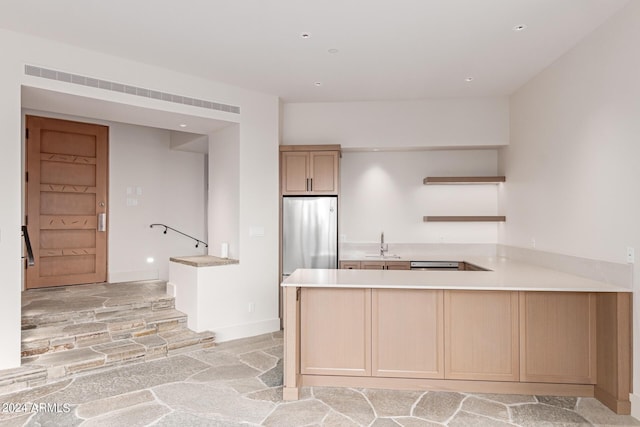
464	219
440	180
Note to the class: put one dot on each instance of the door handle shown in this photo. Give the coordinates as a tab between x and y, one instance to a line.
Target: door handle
102	222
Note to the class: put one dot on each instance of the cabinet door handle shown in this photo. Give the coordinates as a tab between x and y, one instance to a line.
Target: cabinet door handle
310	184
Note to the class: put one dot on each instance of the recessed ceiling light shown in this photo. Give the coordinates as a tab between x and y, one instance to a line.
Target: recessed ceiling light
182	125
333	51
305	35
318	83
520	27
376	149
468	79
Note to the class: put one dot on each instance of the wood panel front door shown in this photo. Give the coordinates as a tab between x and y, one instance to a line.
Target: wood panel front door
66	197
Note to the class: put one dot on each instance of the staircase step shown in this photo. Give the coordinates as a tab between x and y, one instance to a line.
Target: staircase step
76	329
82	303
12	380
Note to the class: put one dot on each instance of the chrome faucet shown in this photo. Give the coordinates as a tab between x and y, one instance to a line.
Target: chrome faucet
383	246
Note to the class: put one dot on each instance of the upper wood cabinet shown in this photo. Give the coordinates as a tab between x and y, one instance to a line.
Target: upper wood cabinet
308	170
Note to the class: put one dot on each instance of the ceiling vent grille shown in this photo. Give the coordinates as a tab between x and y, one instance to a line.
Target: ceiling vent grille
131	90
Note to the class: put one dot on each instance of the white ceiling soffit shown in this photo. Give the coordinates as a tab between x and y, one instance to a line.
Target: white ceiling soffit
64	103
355	49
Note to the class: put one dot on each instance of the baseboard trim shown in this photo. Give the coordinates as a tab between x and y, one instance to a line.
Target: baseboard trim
246	330
498	387
132	276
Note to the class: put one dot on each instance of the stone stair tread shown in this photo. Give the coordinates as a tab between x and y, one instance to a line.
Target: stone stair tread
93	327
117	351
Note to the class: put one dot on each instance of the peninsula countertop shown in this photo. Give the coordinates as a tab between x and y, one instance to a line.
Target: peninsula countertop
503	275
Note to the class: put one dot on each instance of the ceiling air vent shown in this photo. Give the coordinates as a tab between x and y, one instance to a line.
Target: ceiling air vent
131	90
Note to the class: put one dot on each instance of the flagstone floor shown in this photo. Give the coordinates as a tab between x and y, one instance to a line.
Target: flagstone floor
239	383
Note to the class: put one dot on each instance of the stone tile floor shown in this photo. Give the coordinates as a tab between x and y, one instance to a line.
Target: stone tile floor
239	383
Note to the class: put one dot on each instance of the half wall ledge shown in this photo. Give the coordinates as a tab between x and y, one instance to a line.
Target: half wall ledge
203	260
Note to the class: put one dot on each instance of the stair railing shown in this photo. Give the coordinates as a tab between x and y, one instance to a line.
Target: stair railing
30	259
166	228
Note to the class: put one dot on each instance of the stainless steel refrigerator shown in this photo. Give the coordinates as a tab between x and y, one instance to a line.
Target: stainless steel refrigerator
309	233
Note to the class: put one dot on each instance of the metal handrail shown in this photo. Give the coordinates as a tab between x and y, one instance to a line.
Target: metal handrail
166	227
30	259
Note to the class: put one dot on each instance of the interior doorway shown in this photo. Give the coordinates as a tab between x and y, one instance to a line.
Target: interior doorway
66	201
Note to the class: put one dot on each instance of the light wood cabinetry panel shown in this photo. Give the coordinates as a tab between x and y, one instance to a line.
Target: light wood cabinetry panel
558	331
335	334
294	169
350	265
398	265
323	172
309	172
373	265
385	265
481	335
407	333
613	336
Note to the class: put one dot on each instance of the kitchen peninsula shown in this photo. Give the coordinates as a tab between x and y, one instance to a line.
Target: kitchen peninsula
516	329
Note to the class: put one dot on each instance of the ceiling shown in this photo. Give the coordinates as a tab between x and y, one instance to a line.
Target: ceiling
393	49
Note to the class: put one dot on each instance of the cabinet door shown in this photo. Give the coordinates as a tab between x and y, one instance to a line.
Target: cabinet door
323	172
481	335
373	265
398	265
407	333
558	331
294	172
335	331
350	265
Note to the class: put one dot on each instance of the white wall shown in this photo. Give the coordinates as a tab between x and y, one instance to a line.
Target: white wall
383	191
399	124
173	193
258	162
224	195
572	165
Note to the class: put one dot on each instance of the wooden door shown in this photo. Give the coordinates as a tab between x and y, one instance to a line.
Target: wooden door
407	333
66	192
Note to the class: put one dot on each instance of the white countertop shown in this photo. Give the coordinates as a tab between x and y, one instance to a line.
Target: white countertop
505	275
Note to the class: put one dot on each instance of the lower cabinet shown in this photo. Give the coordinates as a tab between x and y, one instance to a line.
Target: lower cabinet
481	335
335	331
407	333
537	337
558	332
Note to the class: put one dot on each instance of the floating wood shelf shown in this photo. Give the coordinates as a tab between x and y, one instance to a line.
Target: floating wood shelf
430	180
464	219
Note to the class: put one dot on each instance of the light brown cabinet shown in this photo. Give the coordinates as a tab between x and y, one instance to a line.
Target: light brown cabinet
558	337
350	265
385	265
481	335
307	171
407	333
335	331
